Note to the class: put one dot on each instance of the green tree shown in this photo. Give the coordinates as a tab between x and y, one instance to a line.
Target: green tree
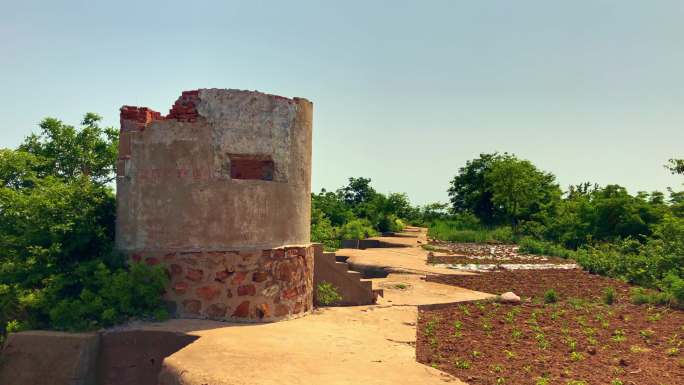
332	206
57	266
519	189
676	166
469	190
67	152
19	169
357	192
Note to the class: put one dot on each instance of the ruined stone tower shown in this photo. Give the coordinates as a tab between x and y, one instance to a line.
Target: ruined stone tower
218	191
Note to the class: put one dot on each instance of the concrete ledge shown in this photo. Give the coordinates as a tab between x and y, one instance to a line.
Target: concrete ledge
49	358
119	356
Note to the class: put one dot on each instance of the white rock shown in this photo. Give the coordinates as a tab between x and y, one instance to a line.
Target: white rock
509	297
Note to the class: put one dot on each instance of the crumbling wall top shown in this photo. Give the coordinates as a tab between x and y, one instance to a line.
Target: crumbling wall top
185	108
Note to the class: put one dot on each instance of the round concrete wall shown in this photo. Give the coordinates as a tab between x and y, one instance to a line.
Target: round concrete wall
221	186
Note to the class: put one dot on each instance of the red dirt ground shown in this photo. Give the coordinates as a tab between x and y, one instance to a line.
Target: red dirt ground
579	340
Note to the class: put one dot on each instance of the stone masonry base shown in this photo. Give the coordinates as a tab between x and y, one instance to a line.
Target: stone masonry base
238	285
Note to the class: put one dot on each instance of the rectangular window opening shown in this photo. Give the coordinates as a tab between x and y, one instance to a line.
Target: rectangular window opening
255	167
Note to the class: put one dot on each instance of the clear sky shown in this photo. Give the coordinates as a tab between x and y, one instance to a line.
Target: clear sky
404	92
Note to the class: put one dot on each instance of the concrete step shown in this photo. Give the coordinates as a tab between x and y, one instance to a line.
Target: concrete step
341	266
330	268
367	284
328	254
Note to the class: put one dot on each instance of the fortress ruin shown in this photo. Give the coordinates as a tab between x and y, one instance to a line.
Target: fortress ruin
219	192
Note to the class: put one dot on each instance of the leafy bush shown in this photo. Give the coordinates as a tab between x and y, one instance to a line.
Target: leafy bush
550	296
357	211
57	267
609	296
458	231
106	296
357	229
391	223
530	245
326	294
674	287
642	296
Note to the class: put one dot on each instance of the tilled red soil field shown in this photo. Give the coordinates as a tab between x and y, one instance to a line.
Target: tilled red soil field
533	283
578	340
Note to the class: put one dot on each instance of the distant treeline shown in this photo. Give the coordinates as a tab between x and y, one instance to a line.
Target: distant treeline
500	198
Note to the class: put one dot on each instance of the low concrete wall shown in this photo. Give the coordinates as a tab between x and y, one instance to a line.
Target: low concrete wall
368	244
134	357
49	358
113	357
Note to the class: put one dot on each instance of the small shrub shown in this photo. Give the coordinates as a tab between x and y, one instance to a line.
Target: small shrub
618	335
646	334
357	229
671	352
327	294
550	296
534	246
430	327
462	364
642	296
674	287
639	296
466	229
609	296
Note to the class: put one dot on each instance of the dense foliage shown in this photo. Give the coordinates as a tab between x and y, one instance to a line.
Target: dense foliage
638	238
356	211
57	265
58	268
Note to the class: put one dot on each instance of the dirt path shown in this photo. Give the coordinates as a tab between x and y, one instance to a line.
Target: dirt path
408	257
343	345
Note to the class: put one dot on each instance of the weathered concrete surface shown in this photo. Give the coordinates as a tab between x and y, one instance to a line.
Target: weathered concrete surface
134	357
408	257
342	345
349	284
335	346
372	344
174	188
394	260
219	192
413	290
49	358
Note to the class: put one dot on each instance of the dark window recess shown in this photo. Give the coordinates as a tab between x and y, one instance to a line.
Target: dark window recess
251	167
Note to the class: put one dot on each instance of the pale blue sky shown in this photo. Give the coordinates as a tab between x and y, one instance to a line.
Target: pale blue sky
404	91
